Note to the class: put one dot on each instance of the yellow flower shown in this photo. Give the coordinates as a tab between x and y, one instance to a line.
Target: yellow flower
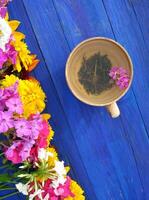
51	134
76	190
52	158
32	95
24	58
9	80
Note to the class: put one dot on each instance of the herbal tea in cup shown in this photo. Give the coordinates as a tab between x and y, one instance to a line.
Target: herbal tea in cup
99	72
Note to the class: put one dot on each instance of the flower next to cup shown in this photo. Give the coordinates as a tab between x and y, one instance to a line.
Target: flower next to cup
120	76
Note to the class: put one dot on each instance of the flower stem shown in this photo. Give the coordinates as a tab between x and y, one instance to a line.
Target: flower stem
7	189
4	166
1	154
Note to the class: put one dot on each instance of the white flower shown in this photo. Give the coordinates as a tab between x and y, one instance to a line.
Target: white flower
37	193
61	173
43	154
23	188
47	197
5	33
59	168
60	180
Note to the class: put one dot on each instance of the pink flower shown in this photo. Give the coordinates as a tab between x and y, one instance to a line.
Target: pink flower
15	105
11	91
3	11
2	101
11	53
35	125
4	2
121	77
22	128
61	192
19	151
44	132
28	128
123	82
64	190
34	154
3	58
6	121
10	97
3	8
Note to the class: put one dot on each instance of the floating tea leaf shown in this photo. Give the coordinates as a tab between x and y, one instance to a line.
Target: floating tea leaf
94	74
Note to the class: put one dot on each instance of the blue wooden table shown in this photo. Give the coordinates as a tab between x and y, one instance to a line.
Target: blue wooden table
108	157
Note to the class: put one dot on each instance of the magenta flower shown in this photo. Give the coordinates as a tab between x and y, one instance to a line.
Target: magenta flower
28	129
3	8
14	105
4	2
64	190
22	128
35	127
61	192
6	121
120	76
3	11
12	90
2	101
11	53
19	151
3	58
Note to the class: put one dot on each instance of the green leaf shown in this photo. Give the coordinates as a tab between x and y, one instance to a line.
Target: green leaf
5	178
7	188
8	195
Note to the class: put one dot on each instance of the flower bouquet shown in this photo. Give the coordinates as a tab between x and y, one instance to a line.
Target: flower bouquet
30	164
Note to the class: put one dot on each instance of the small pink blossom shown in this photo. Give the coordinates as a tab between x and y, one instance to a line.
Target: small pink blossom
64	190
3	11
2	101
4	2
22	128
19	151
3	58
44	132
121	77
11	91
28	128
9	98
11	53
36	125
6	121
15	105
3	8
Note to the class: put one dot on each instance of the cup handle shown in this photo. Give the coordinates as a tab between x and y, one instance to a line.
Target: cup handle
113	110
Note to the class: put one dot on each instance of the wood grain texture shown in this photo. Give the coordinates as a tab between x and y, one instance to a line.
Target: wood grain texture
108	157
58	121
132	132
81	13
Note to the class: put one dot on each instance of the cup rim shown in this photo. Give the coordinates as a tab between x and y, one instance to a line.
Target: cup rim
71	55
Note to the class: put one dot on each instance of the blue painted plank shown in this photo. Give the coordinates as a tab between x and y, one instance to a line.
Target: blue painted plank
141	12
127	31
135	137
142	151
62	131
113	143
